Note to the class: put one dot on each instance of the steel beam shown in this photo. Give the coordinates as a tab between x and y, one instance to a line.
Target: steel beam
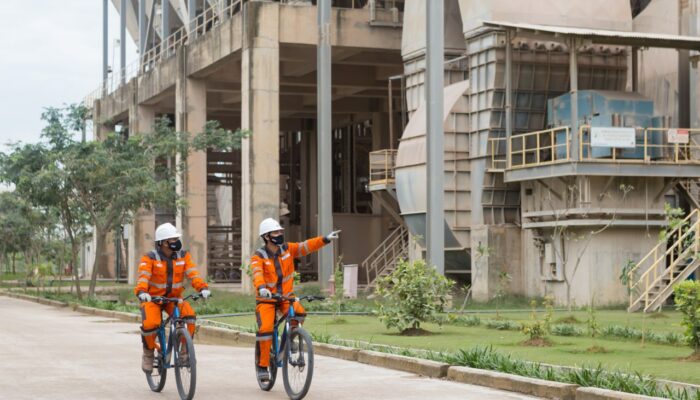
165	26
435	58
105	45
142	28
122	42
573	77
191	14
509	95
323	130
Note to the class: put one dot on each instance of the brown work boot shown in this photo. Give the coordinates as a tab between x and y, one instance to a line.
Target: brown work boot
147	361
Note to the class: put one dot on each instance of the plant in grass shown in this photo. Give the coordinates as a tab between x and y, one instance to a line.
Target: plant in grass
537	330
413	293
687	299
338	297
592	325
504	279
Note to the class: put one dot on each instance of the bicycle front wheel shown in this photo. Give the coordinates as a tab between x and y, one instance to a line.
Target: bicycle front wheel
185	364
298	367
156	379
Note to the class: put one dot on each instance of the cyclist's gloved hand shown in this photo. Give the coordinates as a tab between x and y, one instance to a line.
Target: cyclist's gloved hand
144	297
205	293
265	292
332	236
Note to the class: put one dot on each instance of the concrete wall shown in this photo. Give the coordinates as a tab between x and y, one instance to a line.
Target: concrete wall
597	277
496	249
573	207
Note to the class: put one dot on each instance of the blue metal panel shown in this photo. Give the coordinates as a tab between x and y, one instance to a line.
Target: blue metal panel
598	108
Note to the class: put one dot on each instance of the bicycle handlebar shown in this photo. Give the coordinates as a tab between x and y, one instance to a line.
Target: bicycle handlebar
308	298
164	300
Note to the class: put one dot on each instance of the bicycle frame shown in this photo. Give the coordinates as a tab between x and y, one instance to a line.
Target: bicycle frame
278	341
167	348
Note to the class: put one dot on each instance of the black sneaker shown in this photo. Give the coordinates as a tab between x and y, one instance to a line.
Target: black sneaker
263	374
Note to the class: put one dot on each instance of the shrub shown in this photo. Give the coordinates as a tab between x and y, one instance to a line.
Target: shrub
501	324
460	320
413	293
566	330
687	298
536	328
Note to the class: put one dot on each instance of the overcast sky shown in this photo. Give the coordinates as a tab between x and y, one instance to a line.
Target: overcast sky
50	55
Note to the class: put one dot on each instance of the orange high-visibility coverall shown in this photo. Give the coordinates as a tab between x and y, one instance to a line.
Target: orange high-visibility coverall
160	276
276	272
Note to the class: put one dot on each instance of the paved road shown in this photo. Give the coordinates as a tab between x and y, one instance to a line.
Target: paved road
51	353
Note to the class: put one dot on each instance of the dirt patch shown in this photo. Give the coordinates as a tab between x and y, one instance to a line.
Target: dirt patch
695	357
597	350
658	315
570	319
415	332
537	342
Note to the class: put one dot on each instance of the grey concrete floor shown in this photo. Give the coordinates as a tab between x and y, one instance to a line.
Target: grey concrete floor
52	353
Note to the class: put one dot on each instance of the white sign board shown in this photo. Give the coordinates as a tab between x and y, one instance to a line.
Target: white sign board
679	136
613	137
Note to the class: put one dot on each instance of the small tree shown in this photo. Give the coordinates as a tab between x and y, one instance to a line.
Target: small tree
538	329
413	293
687	298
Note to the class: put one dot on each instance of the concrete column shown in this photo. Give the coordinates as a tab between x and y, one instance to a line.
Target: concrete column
140	232
309	200
191	116
260	114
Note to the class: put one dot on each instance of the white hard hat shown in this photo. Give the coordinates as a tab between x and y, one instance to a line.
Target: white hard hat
270	225
166	231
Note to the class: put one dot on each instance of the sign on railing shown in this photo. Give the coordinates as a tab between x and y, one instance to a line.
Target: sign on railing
619	137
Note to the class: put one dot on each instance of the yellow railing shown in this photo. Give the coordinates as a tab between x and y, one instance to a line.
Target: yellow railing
686	238
651	147
533	149
497	151
381	167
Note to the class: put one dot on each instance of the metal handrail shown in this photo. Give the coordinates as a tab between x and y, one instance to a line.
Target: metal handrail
499	160
382	166
393	247
654	148
545	148
676	252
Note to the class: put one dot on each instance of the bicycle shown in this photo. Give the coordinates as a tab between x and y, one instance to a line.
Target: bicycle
296	360
177	340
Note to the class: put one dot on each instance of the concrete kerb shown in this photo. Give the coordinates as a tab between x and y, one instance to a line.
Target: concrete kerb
513	383
432	369
604	394
342	352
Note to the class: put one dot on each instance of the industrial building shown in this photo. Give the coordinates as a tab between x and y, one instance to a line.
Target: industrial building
567	127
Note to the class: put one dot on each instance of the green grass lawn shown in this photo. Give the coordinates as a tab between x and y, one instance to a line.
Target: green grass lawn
661	361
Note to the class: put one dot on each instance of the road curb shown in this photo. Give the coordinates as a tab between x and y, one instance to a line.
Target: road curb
342	352
432	369
513	383
605	394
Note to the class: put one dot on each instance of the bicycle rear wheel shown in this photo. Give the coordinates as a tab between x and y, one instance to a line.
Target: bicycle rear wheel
185	364
272	369
298	367
156	379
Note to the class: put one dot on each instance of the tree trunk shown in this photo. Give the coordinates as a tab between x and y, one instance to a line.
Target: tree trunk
100	264
14	256
74	263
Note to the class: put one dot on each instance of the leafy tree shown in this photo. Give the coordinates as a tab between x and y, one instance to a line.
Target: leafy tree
413	293
687	299
39	175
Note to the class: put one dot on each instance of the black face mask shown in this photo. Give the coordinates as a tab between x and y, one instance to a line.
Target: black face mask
278	240
175	246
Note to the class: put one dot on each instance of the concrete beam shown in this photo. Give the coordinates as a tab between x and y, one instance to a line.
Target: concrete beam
350	28
260	81
191	116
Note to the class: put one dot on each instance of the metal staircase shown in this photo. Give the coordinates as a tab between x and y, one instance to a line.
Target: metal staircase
383	260
671	261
